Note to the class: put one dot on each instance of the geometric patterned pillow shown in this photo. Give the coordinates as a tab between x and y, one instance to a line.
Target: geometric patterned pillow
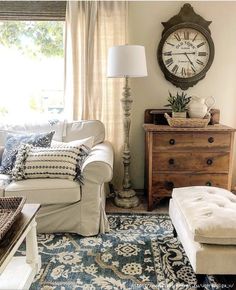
13	143
52	162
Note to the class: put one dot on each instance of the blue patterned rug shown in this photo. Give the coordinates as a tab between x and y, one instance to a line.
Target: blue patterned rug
140	252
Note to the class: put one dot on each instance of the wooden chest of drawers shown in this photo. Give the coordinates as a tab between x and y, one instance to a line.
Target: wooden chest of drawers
177	157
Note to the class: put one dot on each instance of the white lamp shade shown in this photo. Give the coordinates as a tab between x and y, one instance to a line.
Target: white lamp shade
126	61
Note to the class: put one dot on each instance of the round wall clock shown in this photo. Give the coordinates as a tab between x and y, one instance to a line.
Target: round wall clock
186	50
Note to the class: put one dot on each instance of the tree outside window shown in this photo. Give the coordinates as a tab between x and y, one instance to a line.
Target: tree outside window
31	68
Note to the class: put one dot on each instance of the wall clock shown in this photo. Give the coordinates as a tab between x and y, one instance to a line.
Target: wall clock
186	50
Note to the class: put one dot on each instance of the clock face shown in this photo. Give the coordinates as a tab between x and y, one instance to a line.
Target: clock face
185	53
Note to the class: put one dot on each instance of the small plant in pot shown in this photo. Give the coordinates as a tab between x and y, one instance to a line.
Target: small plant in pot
178	104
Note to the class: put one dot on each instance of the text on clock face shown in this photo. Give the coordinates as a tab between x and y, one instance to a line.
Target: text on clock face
185	52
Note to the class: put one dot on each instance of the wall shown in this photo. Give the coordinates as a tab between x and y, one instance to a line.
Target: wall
144	28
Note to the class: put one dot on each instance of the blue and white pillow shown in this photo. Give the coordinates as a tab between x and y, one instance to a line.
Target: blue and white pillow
63	161
13	143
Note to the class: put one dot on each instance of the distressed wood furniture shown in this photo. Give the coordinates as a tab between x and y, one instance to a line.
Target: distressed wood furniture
18	272
178	157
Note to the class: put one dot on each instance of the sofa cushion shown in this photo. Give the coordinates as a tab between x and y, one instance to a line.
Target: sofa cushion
45	191
88	142
209	212
51	162
14	141
4	181
1	152
84	129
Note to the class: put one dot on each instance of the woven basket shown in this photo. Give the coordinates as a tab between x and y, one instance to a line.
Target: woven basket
10	209
187	122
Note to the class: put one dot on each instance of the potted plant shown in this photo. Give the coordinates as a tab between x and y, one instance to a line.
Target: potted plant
178	104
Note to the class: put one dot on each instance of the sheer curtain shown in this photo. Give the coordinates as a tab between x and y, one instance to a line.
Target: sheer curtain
91	28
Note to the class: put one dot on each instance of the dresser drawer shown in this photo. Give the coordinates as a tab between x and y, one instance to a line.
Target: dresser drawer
218	180
175	141
212	140
197	162
164	183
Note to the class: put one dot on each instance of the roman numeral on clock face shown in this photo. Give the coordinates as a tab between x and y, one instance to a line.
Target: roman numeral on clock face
195	36
175	69
193	69
186	35
199	62
183	71
202	53
200	44
176	35
167	53
169	62
170	44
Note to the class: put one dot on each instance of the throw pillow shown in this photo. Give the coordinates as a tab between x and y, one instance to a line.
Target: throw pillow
37	125
88	142
14	141
53	162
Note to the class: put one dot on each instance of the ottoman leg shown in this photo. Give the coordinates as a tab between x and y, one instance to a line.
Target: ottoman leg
174	232
200	281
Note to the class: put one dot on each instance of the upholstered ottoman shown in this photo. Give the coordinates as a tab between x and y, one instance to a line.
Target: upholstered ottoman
205	221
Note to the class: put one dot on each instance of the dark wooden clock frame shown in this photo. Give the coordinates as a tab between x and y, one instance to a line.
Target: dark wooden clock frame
186	18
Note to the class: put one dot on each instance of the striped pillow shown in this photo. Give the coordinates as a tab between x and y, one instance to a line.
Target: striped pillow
51	162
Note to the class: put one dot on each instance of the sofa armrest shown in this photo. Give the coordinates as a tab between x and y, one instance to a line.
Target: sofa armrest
98	167
1	152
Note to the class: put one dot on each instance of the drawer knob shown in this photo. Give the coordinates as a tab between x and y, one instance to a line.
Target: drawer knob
169	185
208	183
211	140
209	161
172	141
171	161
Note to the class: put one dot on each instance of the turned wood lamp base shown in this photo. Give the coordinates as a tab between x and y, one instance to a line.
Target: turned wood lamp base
126	61
126	199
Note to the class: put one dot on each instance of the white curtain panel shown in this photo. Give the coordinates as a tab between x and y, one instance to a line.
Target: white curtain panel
91	28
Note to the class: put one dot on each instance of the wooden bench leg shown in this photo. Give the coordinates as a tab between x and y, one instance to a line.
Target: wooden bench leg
200	281
226	282
174	232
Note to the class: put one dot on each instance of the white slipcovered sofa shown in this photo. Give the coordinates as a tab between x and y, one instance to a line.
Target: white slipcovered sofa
65	205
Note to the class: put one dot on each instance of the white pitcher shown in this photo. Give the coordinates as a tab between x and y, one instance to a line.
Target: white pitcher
199	107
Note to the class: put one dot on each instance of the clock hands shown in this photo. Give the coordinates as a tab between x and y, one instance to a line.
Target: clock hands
170	53
177	53
189	59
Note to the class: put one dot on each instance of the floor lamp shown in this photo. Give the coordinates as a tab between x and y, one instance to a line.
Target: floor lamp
126	61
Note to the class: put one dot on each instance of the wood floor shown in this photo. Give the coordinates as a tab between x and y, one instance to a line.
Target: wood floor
162	207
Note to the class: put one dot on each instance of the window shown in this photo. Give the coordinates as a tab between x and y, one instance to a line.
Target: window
32	59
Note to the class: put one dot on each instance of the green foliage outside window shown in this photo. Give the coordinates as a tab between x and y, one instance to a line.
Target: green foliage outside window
33	37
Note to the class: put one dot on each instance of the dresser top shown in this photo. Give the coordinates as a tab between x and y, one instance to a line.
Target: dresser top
167	128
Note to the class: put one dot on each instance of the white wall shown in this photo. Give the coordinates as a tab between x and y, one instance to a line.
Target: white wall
144	28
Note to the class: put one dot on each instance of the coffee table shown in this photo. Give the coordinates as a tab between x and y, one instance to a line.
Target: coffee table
19	272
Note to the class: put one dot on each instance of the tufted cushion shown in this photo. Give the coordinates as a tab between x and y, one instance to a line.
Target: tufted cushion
209	212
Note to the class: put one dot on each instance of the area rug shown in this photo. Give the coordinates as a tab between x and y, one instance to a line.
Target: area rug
140	252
